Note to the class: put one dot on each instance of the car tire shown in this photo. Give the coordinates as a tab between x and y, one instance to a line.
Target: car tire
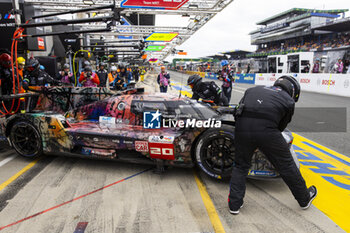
26	139
215	151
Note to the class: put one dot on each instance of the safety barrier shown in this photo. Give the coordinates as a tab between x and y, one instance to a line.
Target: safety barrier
333	84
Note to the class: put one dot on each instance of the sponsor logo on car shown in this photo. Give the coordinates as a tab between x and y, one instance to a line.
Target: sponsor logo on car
151	120
107	120
161	139
141	146
191	123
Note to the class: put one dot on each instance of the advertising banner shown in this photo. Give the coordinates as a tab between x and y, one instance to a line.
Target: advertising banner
334	84
245	78
150	4
161	37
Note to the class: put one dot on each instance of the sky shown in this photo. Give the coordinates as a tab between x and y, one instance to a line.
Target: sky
229	29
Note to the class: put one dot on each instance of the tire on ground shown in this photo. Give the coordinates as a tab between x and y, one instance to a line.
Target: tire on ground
26	139
214	152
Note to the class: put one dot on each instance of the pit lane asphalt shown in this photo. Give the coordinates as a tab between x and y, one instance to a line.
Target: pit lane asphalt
146	203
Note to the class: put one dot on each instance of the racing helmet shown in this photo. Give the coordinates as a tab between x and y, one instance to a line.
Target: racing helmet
5	60
32	65
192	80
224	63
21	61
114	68
290	85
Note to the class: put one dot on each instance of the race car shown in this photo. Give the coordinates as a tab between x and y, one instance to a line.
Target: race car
161	129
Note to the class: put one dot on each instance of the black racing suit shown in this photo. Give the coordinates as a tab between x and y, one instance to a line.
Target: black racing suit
6	81
37	78
266	112
103	76
209	91
6	87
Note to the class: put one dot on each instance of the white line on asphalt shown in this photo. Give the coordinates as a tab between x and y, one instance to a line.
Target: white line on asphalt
8	159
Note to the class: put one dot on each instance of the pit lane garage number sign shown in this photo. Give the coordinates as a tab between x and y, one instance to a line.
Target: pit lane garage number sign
155	48
152	4
161	37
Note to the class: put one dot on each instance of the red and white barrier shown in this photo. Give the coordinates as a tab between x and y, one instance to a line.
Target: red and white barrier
333	84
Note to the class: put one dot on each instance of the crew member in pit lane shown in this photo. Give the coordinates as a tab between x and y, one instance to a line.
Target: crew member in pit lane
34	76
112	76
90	79
123	79
136	73
21	64
262	114
102	74
163	80
227	76
6	79
207	91
65	76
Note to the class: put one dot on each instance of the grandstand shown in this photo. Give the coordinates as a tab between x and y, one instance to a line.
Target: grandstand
292	40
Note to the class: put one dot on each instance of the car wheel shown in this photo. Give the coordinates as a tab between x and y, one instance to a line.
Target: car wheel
215	152
26	140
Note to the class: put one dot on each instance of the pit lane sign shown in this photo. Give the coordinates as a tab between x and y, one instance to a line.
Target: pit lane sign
161	37
153	60
155	48
154	4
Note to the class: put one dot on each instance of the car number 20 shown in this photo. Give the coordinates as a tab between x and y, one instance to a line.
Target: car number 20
161	151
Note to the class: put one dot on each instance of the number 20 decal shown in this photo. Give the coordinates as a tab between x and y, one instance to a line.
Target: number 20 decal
162	151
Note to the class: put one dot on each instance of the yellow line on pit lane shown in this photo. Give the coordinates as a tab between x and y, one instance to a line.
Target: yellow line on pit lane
332	200
329	171
18	174
209	205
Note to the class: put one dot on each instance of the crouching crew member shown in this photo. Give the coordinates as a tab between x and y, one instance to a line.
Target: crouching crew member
208	91
263	113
